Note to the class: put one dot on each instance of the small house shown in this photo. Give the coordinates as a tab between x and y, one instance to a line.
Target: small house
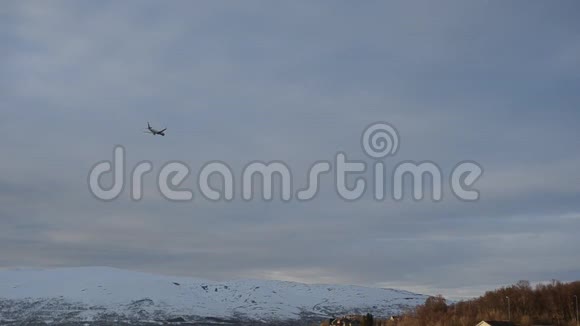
495	323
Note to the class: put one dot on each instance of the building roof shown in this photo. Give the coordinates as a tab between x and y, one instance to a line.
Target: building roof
496	323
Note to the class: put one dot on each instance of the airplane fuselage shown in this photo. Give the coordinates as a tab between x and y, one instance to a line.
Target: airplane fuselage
155	131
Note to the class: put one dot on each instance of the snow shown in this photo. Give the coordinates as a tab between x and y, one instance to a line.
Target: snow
99	289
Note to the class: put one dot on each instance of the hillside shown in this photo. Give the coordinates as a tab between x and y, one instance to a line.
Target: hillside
99	295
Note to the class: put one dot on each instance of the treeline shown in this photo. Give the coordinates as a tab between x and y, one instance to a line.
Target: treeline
362	320
545	304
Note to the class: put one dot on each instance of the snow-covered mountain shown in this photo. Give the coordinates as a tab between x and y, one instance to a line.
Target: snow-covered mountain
101	295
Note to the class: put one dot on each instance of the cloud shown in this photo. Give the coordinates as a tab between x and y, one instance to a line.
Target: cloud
295	82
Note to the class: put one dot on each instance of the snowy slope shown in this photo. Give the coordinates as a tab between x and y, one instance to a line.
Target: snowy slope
100	293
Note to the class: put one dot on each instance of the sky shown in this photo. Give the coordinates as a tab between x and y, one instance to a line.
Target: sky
297	81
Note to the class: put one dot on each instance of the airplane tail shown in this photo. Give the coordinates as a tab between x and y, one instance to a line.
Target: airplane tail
148	125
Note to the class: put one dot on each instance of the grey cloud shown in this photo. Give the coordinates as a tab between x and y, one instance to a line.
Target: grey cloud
494	83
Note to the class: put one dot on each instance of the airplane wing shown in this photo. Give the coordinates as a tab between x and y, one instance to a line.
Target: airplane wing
163	130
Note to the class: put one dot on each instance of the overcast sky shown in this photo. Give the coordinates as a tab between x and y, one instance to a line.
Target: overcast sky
297	81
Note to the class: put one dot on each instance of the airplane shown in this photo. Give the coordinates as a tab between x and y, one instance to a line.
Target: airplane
154	132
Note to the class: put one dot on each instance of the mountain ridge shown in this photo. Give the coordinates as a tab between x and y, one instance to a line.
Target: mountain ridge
104	294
